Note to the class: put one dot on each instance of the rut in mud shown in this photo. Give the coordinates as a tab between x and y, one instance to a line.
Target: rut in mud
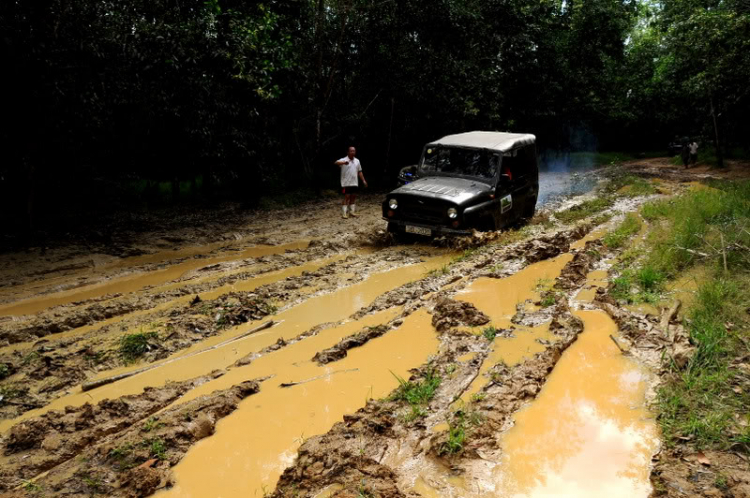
355	329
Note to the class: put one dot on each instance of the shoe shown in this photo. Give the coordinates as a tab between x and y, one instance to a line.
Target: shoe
354	215
345	216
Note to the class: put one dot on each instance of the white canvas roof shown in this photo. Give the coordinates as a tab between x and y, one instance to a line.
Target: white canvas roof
487	140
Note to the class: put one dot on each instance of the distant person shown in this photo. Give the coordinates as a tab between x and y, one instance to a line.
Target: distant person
350	170
685	153
693	152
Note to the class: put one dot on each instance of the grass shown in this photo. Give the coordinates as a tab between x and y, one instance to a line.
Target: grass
157	449
121	452
617	237
4	370
444	270
600	219
93	482
489	333
548	300
585	209
152	424
458	431
468	253
691	227
12	391
416	394
30	486
699	402
703	400
630	186
133	346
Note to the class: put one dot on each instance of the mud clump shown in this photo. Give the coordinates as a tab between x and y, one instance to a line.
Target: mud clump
508	390
548	247
575	272
338	351
449	313
115	448
335	458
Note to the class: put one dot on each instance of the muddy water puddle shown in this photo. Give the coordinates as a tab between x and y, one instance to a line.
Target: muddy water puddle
588	433
253	446
498	299
594	280
132	283
332	307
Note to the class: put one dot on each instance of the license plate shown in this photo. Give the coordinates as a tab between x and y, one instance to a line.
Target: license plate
418	230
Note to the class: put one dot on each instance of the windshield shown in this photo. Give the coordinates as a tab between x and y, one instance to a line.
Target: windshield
478	163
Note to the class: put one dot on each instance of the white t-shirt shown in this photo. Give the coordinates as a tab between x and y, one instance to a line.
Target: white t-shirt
349	172
693	148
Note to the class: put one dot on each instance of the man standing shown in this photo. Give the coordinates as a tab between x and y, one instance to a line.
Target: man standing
693	152
350	170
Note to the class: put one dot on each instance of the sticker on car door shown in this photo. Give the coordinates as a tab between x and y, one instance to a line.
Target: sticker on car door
506	203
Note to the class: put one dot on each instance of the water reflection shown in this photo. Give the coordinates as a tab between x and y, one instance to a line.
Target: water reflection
588	434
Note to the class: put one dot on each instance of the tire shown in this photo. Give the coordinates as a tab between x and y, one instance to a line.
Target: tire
529	208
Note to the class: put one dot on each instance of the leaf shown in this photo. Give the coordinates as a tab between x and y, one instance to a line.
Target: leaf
699	457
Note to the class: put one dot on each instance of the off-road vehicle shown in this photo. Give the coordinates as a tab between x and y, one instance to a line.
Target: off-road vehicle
477	180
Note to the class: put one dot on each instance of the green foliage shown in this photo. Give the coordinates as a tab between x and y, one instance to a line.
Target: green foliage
157	449
584	210
133	346
629	227
151	424
30	486
443	270
121	452
489	333
633	186
548	300
4	371
700	402
417	393
12	391
692	226
468	253
458	431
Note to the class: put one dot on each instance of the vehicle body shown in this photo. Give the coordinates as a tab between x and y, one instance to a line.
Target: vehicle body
408	174
476	180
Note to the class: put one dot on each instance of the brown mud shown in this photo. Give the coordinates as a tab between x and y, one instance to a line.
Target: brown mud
354	314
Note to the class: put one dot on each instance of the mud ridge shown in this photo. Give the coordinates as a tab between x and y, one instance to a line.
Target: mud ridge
115	448
371	450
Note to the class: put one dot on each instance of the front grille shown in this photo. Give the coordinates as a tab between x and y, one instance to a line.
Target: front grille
425	211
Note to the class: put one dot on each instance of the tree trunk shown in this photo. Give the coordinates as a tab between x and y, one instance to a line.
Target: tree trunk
717	142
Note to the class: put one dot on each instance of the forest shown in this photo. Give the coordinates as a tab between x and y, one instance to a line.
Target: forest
107	102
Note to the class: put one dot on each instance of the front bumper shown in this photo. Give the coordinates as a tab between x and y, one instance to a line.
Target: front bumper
399	226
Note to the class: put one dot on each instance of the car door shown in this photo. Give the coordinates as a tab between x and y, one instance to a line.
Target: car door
512	191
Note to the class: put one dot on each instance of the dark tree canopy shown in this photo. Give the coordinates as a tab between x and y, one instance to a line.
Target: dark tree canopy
106	99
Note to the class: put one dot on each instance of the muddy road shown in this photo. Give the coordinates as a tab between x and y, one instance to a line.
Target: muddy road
306	355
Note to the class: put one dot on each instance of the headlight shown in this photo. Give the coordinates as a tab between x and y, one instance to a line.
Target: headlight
393	204
452	213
